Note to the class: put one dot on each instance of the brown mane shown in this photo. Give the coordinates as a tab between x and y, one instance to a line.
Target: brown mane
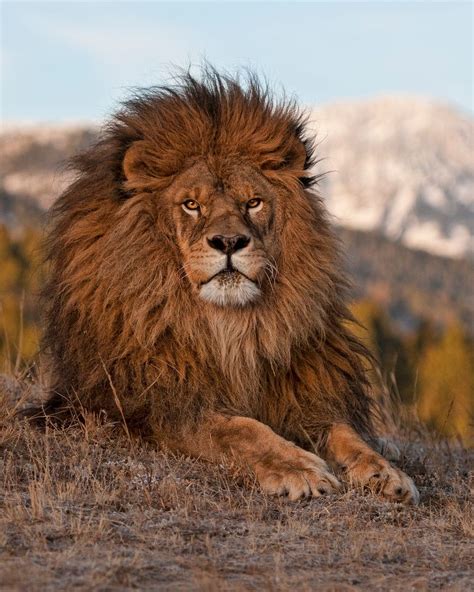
119	311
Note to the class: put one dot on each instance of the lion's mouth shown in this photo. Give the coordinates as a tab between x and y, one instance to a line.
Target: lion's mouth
228	277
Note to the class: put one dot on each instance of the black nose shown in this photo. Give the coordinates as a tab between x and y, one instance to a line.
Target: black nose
229	244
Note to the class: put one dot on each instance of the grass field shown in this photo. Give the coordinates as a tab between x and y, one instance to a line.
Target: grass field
88	509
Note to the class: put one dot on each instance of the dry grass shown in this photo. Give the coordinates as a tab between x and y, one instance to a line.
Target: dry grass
87	508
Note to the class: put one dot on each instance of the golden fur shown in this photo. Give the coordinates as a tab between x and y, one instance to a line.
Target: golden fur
137	324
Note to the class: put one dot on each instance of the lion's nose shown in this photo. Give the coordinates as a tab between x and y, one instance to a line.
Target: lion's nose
229	244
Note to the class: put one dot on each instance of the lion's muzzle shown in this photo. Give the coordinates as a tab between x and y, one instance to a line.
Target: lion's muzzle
229	287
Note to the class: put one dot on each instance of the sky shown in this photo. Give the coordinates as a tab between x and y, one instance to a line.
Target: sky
64	60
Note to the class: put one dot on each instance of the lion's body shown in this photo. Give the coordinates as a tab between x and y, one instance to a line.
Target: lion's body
125	330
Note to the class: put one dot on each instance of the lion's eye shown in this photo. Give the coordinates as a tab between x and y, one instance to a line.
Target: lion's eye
191	204
253	203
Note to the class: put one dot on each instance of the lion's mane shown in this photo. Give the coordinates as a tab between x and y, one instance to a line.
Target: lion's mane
124	332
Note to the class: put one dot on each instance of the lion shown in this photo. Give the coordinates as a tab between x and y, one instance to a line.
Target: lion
197	293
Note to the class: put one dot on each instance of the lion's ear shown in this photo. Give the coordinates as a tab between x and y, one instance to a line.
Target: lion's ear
300	155
134	167
293	162
291	156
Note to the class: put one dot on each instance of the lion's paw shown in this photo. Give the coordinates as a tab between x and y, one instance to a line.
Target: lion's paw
381	478
296	473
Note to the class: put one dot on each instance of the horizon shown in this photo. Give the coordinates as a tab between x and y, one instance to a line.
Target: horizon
311	110
82	59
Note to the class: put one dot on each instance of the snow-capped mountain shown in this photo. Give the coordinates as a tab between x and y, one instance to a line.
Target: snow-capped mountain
403	167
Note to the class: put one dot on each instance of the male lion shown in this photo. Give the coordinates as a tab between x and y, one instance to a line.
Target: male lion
196	291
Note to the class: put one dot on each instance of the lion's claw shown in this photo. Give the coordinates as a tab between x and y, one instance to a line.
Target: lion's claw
384	479
295	473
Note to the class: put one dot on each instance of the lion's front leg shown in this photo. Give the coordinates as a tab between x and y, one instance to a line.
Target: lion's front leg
281	467
366	467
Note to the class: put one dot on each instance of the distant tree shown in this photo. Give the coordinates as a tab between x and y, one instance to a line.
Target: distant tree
446	384
390	349
20	279
426	335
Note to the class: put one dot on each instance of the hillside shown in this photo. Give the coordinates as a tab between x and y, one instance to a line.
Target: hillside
87	509
408	283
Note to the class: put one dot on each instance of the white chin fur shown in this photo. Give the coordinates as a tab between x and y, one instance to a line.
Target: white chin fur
229	293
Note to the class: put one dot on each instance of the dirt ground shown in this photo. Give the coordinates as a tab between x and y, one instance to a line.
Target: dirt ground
88	509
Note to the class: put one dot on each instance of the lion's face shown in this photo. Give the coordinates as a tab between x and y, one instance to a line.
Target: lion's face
226	229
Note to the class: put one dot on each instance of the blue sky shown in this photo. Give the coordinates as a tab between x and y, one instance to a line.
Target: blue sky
75	60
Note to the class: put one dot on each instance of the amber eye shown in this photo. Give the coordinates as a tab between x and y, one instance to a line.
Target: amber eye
191	204
254	203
